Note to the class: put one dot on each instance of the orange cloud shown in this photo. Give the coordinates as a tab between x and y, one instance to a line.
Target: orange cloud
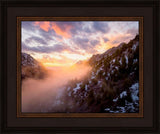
113	42
64	33
43	25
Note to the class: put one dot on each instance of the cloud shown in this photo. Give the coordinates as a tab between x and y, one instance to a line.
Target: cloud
48	36
45	25
46	49
132	31
54	61
36	39
31	30
101	27
62	29
59	48
121	38
115	41
105	39
74	37
82	43
89	28
86	44
80	40
27	25
94	42
76	27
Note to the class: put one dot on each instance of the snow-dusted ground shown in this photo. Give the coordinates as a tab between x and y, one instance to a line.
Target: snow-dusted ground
129	106
77	88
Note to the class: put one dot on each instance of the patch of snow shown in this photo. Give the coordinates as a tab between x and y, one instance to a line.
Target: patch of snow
104	73
123	94
120	61
122	109
92	77
115	100
130	106
126	59
101	68
25	55
90	81
134	61
99	82
135	46
97	71
107	109
86	87
108	74
131	73
69	94
112	71
134	92
68	88
113	60
85	94
116	67
92	73
111	66
106	78
135	86
77	88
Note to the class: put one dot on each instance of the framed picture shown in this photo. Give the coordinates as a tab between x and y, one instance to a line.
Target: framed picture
79	66
96	64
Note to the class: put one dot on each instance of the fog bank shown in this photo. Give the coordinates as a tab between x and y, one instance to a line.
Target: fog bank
39	95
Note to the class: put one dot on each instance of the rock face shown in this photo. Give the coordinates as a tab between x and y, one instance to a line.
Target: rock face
112	85
30	68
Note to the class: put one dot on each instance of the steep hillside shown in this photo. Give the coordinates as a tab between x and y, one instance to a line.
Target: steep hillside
112	85
31	68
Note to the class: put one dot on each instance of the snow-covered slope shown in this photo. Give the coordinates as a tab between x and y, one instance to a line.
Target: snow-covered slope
112	85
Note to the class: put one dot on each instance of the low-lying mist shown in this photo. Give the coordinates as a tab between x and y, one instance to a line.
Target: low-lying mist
39	95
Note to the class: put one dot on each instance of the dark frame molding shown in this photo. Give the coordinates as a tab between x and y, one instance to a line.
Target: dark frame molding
79	3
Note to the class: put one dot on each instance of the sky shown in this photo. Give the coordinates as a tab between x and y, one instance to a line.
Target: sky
63	43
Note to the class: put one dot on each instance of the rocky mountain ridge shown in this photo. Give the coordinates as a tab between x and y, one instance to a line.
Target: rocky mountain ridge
31	68
112	85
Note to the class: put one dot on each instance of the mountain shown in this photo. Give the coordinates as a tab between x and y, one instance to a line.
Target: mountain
31	68
109	52
112	86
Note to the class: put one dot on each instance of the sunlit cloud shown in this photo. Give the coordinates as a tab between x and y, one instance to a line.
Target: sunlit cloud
63	43
120	38
43	25
65	32
56	60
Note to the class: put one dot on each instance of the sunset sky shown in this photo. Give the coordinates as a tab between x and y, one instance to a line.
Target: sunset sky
63	43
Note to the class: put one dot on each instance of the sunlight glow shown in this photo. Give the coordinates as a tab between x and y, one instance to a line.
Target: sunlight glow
62	43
